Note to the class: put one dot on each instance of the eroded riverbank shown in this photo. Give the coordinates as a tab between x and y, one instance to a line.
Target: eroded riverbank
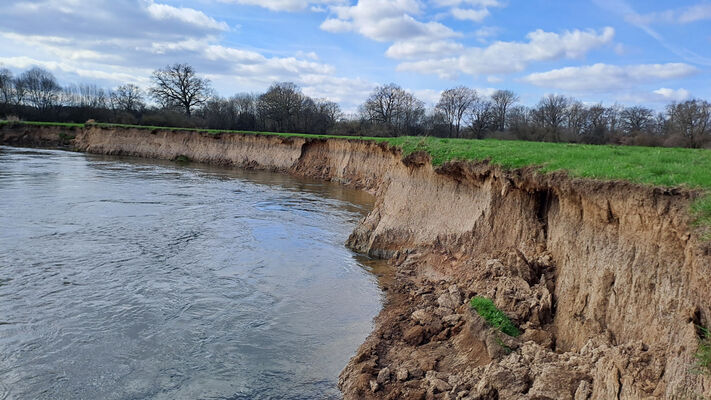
606	279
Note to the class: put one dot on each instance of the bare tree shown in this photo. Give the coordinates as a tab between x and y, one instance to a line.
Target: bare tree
551	113
127	98
279	107
178	85
453	104
393	108
636	119
692	119
86	96
576	117
6	86
503	100
482	118
245	106
39	88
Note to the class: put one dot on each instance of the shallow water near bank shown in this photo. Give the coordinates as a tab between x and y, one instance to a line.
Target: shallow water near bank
123	278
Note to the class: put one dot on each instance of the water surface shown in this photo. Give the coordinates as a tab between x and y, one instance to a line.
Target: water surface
132	279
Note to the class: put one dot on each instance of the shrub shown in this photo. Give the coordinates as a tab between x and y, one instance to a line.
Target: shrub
495	317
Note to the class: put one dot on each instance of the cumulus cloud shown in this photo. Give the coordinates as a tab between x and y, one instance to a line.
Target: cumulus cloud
673	94
385	20
475	3
605	77
187	15
288	5
423	49
470	14
96	46
507	57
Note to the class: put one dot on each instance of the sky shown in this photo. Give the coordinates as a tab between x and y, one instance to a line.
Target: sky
647	52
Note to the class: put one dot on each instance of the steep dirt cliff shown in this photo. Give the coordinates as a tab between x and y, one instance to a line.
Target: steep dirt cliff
606	279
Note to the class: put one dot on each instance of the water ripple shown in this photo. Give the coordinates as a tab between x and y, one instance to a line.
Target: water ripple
130	279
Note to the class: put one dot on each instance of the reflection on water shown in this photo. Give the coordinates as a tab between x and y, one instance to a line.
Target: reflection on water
131	279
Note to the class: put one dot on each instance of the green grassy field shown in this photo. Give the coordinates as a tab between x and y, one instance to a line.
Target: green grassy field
669	167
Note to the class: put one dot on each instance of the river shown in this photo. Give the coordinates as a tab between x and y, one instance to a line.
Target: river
123	278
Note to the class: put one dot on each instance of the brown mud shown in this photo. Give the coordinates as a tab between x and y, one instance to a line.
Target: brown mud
606	280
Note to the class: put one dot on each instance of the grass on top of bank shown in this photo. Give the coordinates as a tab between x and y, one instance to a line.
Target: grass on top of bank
670	167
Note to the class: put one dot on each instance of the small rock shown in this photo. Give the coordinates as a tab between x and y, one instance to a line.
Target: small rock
415	335
452	319
401	374
439	385
374	386
416	373
455	294
584	391
445	301
420	316
383	375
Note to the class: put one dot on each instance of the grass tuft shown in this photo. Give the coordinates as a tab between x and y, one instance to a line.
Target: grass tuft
701	213
703	354
182	159
495	317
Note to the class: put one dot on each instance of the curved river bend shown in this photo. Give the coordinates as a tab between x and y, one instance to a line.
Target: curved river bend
132	279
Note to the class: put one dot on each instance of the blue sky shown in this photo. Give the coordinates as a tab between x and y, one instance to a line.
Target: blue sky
632	52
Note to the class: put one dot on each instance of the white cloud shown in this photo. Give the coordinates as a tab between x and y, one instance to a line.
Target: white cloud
187	15
486	32
423	49
686	15
470	14
673	95
108	54
695	13
605	77
288	5
385	20
474	3
507	57
349	92
428	96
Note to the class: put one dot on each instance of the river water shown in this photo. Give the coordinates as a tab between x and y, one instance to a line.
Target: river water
124	278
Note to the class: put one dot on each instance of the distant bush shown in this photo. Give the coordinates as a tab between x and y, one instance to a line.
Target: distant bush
495	317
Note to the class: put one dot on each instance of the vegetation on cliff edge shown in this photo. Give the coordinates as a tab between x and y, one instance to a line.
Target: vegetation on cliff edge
495	317
703	354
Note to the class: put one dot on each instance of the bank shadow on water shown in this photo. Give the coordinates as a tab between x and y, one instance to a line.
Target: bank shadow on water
126	278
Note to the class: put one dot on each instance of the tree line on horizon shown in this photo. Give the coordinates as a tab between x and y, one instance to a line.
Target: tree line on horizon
183	99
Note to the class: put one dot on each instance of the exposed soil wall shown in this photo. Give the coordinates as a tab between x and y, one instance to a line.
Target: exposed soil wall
606	279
